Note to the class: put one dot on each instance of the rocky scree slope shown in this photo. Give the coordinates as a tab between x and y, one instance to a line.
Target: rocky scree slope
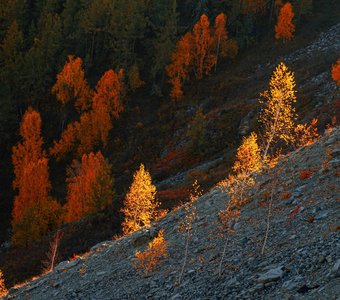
301	258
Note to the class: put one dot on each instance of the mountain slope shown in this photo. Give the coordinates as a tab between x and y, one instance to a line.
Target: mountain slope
301	258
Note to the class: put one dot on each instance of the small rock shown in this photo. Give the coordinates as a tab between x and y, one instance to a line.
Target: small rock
321	215
290	285
176	297
336	268
271	275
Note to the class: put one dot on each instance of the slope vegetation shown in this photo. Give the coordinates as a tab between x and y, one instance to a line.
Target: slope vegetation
300	259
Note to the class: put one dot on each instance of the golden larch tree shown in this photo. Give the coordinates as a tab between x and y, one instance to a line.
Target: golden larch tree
204	57
140	205
90	187
220	36
178	70
248	156
285	28
34	211
278	114
336	72
71	84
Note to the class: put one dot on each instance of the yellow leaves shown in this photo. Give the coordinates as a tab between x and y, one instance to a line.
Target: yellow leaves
306	134
248	157
277	114
285	28
140	205
148	260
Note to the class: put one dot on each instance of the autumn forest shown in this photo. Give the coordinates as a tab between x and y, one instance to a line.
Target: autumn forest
104	103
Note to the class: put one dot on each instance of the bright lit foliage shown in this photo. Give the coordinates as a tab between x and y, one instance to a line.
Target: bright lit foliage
306	134
285	28
147	261
3	289
89	187
248	156
140	205
277	114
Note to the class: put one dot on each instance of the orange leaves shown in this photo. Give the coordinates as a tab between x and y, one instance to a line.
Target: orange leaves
305	174
89	187
148	260
140	205
221	35
29	150
71	84
285	28
336	72
34	212
108	92
203	58
196	52
178	70
95	123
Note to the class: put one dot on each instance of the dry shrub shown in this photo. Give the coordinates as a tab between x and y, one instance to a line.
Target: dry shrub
306	134
305	174
147	261
286	195
3	289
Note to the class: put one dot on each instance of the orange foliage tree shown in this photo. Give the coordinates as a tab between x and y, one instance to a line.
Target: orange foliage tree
71	84
95	124
220	36
285	28
90	187
140	205
148	260
336	72
178	70
203	57
34	212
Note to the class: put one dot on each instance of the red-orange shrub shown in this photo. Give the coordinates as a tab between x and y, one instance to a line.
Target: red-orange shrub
305	174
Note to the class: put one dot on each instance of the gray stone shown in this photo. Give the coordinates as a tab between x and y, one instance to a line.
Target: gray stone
336	268
290	285
271	275
321	215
